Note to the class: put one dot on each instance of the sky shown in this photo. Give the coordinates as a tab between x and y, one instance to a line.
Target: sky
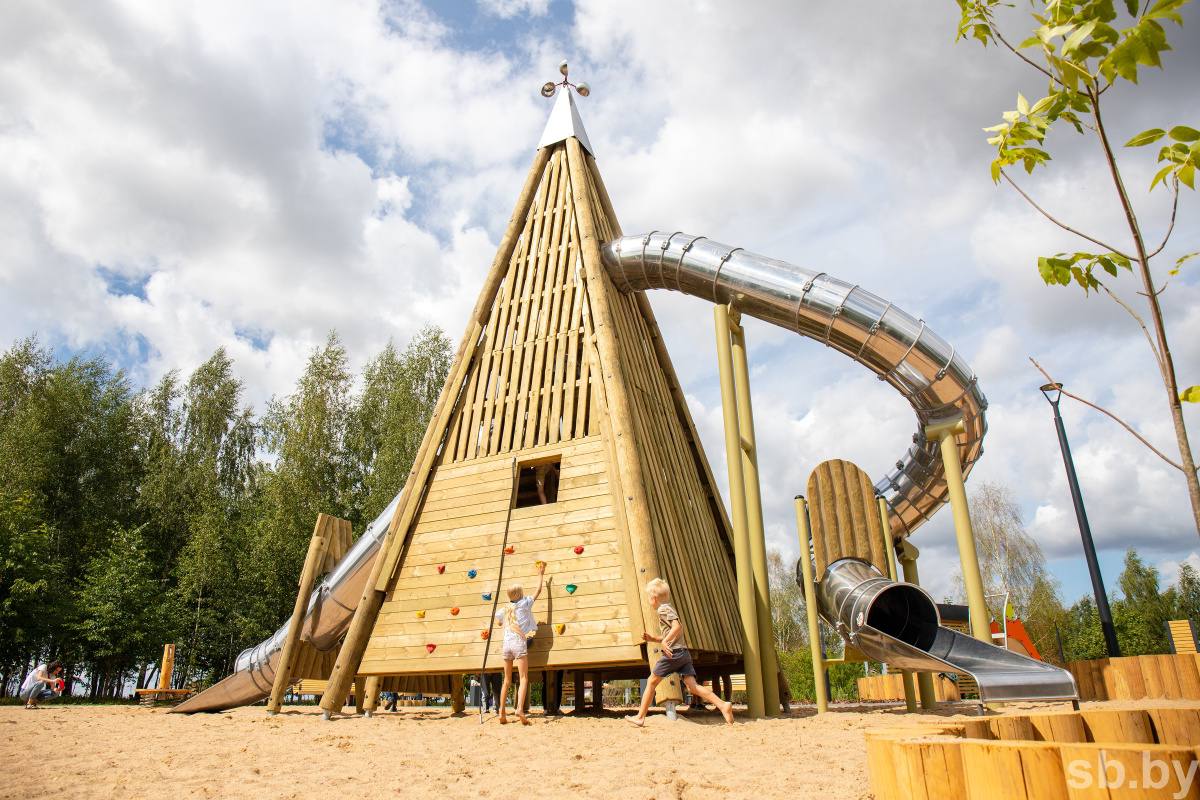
175	177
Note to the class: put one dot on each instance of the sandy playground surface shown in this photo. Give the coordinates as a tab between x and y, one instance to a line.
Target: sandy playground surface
132	752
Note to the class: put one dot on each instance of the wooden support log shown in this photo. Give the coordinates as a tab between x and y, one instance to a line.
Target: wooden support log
370	701
458	702
597	692
630	477
317	547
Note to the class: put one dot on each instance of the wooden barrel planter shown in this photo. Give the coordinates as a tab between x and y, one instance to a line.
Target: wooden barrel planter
884	688
1150	752
1172	677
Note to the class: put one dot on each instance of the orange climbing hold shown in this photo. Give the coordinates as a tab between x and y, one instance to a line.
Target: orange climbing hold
454	611
484	634
508	551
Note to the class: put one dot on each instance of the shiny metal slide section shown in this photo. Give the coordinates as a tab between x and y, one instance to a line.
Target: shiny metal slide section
898	623
330	608
897	347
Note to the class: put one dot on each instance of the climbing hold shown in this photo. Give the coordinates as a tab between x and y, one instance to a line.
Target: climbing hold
484	634
508	551
559	627
421	614
431	647
472	573
578	549
570	587
454	611
441	568
486	595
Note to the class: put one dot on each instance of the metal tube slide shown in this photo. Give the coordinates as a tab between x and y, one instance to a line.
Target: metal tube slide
898	348
330	608
898	623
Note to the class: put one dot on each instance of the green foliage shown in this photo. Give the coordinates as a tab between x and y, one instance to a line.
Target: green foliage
1188	596
130	519
796	666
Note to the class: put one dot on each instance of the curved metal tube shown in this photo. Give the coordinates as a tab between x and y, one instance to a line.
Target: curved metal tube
898	623
330	608
900	349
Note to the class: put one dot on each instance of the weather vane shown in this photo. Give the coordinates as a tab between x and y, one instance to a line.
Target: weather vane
550	87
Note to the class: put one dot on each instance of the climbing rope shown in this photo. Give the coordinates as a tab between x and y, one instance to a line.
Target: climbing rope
487	643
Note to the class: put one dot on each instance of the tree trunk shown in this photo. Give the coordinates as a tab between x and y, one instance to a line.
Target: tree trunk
1166	363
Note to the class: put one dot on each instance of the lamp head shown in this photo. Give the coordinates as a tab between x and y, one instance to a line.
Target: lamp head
1052	392
548	89
583	89
562	67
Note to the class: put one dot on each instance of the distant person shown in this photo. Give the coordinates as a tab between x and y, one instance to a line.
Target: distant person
42	683
519	626
675	656
491	692
392	698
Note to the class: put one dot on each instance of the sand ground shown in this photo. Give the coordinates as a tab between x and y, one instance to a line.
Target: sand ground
133	752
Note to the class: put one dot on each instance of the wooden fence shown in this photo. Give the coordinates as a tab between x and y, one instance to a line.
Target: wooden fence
882	688
1174	677
1044	756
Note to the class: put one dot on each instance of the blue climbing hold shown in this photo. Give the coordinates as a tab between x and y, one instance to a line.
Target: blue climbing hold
471	573
486	595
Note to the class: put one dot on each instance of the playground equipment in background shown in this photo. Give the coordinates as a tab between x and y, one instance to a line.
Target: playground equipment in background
163	693
882	619
1182	635
562	363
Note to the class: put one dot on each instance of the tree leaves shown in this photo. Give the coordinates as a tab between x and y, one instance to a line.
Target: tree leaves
1064	269
1190	394
1146	137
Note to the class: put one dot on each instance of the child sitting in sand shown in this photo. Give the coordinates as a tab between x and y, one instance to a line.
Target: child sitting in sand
675	657
519	625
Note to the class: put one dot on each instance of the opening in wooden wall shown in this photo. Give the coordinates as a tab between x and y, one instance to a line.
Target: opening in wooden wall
537	483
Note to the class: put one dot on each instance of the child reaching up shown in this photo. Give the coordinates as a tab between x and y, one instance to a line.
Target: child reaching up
675	657
519	625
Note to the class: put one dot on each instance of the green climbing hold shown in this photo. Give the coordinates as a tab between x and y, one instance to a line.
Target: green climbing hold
570	587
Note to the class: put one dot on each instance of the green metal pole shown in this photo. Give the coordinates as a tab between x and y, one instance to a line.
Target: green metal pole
908	560
910	691
754	523
820	686
981	627
751	657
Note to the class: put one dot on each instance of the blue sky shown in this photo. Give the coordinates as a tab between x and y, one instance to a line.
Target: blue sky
190	175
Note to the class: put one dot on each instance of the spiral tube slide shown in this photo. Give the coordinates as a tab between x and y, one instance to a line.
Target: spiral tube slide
898	348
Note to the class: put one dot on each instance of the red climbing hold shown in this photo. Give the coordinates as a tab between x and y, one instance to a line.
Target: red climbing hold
508	551
431	647
441	568
578	549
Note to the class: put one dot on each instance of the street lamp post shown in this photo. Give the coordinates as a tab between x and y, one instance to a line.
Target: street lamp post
1053	394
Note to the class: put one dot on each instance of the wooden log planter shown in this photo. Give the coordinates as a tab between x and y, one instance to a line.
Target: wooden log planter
1104	753
1173	677
883	688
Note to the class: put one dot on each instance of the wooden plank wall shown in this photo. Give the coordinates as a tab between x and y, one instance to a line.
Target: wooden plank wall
532	385
844	516
462	528
883	688
690	542
1138	677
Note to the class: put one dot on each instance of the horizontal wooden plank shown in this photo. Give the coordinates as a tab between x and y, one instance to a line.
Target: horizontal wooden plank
474	647
522	570
444	636
477	514
477	617
541	540
500	489
522	519
576	449
411	601
617	656
597	485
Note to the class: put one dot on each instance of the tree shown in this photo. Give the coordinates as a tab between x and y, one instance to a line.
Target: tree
1010	562
788	615
1081	50
1188	597
1141	614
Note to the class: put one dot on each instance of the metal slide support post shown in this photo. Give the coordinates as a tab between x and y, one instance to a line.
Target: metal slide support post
820	687
752	660
908	561
754	522
906	677
944	434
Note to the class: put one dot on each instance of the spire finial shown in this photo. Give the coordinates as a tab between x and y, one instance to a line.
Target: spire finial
550	87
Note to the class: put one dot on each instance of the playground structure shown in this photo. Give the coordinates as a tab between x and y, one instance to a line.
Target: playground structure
562	435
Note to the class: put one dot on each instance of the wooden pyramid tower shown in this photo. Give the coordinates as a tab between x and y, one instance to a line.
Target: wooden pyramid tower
561	426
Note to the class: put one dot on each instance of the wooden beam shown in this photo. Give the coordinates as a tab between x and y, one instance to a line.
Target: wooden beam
313	560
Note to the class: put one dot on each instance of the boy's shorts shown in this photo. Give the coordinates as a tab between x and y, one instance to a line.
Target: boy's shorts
680	661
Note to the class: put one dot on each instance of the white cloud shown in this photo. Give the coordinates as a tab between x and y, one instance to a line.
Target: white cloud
267	172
